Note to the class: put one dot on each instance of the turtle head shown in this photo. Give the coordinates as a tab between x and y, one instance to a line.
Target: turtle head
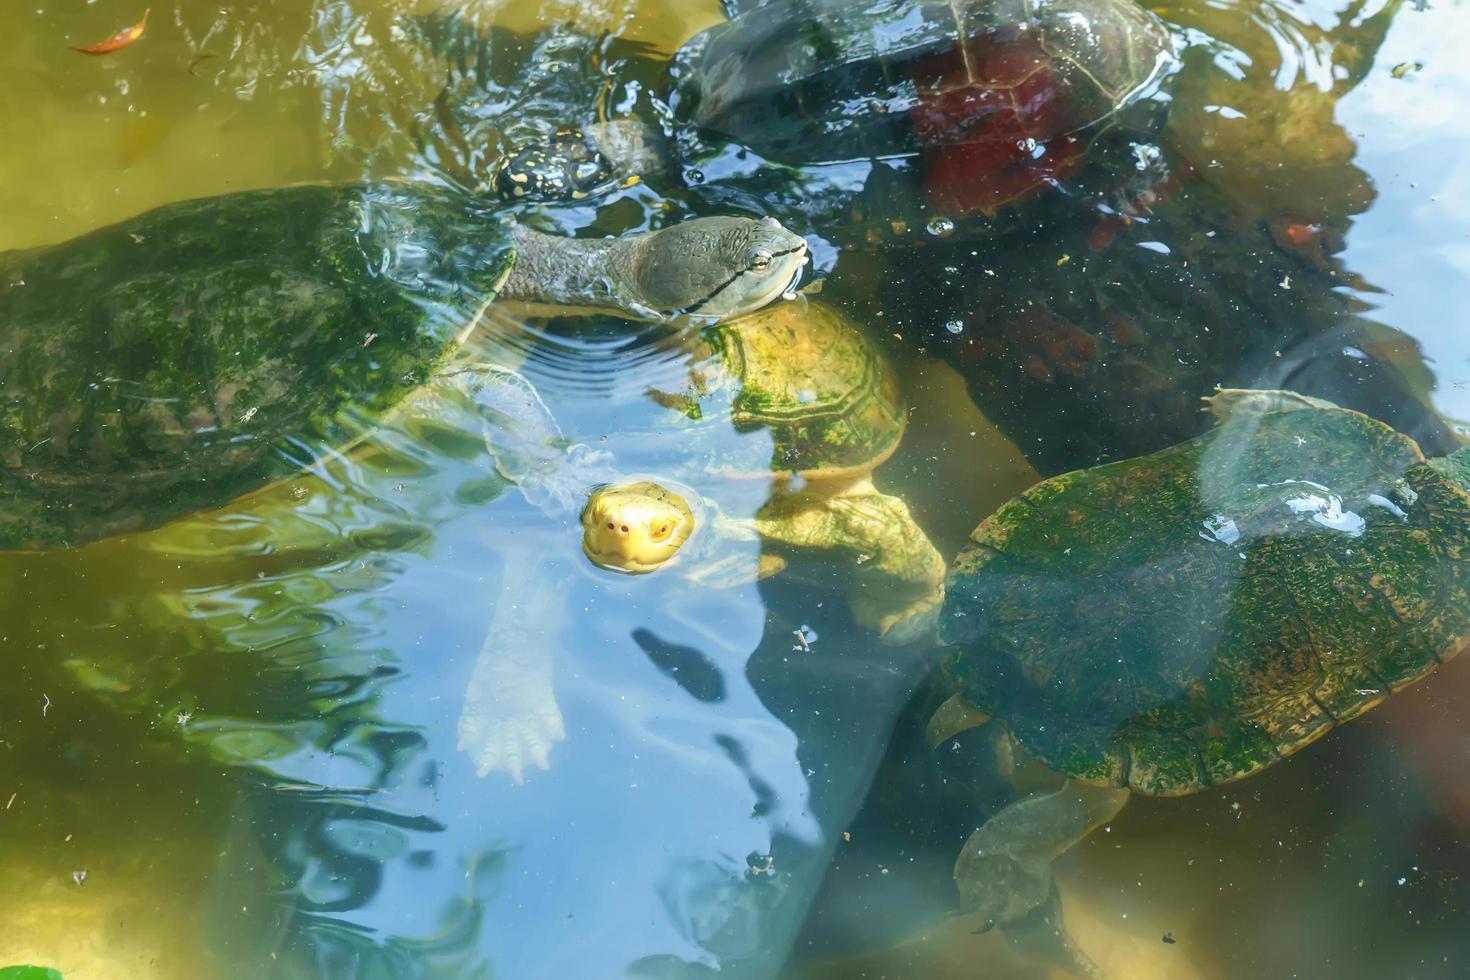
575	163
635	527
719	267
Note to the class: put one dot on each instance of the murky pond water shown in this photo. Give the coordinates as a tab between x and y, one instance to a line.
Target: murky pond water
233	746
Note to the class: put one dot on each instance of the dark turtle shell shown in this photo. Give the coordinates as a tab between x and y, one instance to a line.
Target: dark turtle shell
1187	618
180	358
992	97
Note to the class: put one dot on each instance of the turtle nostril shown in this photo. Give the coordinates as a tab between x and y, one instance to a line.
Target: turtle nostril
609	525
625	529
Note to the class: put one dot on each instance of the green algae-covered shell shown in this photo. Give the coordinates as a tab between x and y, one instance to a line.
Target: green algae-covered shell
1188	618
807	376
196	352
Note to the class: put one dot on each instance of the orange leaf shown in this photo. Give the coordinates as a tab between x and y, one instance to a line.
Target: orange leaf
119	40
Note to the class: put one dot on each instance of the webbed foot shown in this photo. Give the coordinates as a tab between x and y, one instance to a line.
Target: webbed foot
510	719
510	734
1004	870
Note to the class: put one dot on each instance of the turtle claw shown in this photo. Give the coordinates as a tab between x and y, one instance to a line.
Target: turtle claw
512	738
919	622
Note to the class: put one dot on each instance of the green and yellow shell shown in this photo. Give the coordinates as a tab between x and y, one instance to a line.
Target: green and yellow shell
1188	618
807	376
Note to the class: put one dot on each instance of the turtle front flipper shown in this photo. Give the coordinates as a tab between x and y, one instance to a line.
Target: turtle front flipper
510	718
904	605
1228	403
1004	870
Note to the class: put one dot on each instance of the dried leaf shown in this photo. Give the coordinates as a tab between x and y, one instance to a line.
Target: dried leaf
119	40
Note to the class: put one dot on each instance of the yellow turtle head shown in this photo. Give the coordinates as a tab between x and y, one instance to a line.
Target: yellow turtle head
635	527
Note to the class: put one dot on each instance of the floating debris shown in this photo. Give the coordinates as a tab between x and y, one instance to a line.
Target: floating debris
1406	68
805	637
79	877
1169	938
118	41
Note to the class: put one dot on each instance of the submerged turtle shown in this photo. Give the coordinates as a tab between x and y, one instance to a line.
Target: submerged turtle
1169	623
937	110
183	357
831	406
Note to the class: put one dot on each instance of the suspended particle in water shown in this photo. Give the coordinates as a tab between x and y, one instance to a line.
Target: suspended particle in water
694	176
762	864
955	326
940	227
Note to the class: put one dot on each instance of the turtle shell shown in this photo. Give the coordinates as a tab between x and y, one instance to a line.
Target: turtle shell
804	375
1188	618
990	96
178	359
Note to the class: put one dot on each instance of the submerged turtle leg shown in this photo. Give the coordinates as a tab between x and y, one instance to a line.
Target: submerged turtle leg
510	718
888	542
1228	403
736	570
955	715
1004	870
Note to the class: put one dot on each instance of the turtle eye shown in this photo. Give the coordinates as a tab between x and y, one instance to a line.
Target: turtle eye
760	260
660	530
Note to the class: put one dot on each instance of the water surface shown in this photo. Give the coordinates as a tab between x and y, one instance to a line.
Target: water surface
228	748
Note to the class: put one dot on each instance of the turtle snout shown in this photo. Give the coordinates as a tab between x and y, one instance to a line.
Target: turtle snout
627	529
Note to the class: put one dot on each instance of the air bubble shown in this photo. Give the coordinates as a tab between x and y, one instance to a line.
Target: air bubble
940	227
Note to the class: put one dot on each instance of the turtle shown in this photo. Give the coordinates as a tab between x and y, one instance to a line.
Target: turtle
1168	623
888	120
176	360
830	403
